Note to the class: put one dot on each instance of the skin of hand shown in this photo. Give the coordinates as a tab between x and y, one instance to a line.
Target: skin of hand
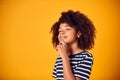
63	51
62	48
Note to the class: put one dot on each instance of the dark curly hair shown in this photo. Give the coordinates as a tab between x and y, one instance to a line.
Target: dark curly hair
80	23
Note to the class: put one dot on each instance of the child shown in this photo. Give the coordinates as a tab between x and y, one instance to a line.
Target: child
73	35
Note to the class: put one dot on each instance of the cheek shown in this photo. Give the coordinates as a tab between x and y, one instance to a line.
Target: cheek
73	36
58	38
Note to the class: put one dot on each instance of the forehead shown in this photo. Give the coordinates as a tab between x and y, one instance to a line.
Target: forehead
62	25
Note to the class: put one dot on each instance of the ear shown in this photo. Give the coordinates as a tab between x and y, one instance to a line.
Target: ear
78	34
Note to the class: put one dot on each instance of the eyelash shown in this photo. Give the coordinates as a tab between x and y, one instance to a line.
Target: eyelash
68	29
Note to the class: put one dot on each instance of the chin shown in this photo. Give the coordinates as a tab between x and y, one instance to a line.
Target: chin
67	42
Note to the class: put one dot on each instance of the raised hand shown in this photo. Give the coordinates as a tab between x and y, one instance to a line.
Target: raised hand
62	48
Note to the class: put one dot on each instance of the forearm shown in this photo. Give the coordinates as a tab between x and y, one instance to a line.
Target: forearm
67	71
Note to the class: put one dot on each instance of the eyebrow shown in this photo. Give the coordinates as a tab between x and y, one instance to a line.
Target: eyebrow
65	26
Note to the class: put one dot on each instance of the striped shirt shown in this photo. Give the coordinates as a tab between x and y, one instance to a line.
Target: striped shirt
81	64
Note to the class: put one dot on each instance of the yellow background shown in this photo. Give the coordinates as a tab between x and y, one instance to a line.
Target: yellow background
26	51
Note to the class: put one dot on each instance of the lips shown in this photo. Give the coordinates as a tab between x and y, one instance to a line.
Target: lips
63	37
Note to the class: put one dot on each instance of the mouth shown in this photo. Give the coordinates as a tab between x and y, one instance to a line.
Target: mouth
63	37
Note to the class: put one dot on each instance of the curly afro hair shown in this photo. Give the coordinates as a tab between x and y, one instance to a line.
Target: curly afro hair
79	22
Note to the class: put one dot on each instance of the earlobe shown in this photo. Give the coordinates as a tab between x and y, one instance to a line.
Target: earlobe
78	34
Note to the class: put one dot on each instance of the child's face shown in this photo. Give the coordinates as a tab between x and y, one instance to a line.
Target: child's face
67	33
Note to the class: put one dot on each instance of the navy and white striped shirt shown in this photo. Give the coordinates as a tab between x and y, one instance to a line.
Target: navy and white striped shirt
81	64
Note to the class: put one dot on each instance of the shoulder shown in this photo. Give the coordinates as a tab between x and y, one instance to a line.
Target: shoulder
86	54
87	57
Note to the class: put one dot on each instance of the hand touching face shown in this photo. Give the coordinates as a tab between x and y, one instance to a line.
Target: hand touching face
67	33
62	48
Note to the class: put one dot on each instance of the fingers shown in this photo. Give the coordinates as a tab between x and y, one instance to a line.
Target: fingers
58	47
62	42
61	45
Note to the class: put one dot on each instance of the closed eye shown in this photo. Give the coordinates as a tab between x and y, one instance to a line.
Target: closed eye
68	29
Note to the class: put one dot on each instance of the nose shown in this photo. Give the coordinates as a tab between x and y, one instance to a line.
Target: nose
62	32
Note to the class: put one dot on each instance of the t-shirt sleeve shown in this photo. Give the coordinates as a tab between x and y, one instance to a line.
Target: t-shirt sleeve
83	69
54	74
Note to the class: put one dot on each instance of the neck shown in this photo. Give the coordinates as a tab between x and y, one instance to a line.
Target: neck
74	49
